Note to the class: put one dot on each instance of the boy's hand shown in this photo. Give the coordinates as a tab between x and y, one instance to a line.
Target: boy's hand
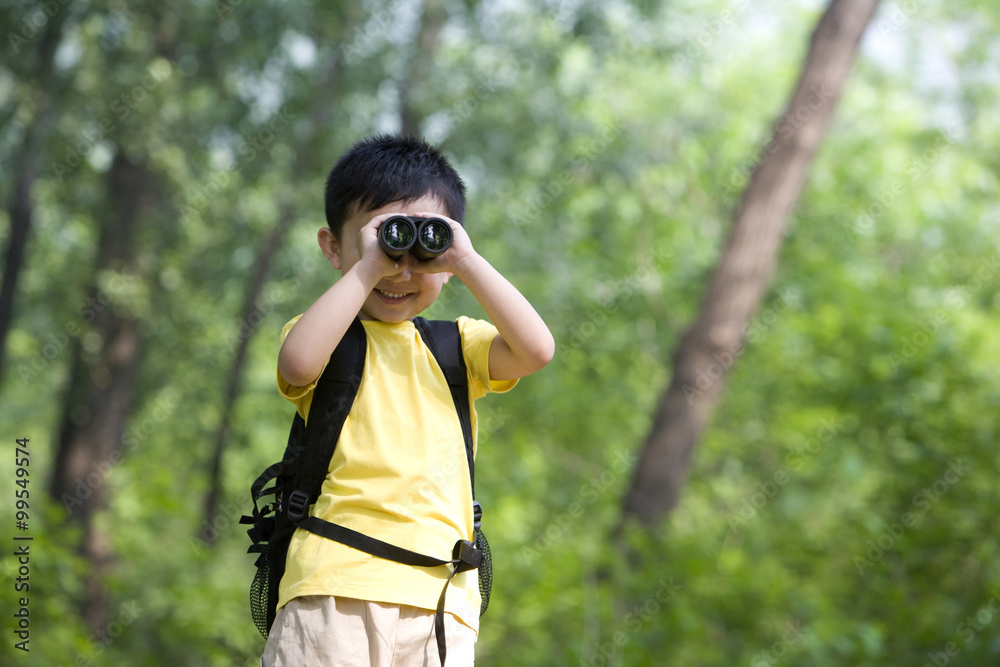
454	258
524	344
371	252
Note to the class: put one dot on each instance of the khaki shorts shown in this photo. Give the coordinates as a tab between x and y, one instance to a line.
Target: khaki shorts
324	631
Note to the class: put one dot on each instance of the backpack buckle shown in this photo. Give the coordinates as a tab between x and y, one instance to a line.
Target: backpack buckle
466	556
298	506
477	514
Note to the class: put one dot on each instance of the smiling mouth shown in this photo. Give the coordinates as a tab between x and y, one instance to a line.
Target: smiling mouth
392	296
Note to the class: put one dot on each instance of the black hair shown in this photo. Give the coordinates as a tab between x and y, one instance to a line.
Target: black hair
389	168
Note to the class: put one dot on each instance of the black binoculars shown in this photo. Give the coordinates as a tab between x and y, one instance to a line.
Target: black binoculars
425	238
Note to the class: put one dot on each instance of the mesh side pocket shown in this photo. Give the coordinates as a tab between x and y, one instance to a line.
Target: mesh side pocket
264	587
485	571
259	592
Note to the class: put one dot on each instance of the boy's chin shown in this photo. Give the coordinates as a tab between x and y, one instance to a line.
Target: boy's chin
379	309
379	315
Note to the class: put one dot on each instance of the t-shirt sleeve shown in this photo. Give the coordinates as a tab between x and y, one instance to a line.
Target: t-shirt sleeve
477	337
300	396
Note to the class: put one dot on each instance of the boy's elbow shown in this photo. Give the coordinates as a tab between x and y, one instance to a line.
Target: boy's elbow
295	370
511	363
543	353
549	351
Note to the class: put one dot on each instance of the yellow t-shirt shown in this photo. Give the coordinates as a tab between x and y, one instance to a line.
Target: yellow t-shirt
399	473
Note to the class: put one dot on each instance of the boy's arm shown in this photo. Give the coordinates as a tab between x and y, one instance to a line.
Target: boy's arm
524	344
315	336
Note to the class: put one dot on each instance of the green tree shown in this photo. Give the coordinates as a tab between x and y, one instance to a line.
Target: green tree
604	145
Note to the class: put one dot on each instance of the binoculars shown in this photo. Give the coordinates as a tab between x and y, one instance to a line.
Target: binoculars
424	238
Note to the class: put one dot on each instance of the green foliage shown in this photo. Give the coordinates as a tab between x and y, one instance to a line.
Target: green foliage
840	507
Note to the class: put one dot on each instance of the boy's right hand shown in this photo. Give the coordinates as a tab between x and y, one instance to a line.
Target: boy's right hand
370	252
360	259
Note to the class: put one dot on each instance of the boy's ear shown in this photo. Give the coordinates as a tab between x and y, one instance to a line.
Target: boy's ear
330	246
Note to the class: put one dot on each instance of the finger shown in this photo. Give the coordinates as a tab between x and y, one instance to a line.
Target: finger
428	266
377	221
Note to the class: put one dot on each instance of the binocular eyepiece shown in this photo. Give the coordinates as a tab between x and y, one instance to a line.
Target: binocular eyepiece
425	238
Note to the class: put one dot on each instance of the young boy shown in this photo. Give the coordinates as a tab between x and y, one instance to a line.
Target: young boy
399	471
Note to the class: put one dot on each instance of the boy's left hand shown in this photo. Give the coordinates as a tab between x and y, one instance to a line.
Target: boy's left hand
523	344
452	259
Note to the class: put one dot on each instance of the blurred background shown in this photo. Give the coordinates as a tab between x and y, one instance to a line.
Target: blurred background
161	171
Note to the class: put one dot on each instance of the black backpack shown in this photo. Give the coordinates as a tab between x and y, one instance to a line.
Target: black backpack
298	478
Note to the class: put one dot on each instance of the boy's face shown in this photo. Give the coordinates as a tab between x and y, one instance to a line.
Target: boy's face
401	296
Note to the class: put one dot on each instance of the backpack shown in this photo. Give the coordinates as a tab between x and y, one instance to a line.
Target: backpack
298	477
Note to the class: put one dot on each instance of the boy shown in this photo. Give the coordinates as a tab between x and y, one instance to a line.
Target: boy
399	472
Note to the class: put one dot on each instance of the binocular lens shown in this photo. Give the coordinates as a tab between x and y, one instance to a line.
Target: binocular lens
424	237
435	236
397	233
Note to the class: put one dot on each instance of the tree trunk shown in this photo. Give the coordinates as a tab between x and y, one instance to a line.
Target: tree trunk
20	213
25	168
708	349
320	121
234	380
432	19
97	398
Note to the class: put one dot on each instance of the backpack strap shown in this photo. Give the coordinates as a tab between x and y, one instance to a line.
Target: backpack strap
444	340
331	403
